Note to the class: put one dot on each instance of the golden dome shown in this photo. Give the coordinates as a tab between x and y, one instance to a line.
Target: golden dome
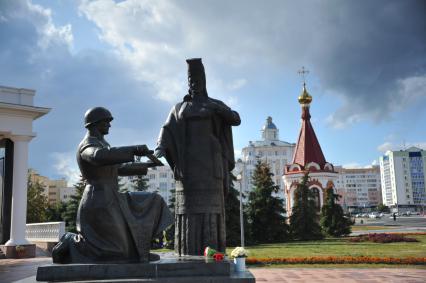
305	98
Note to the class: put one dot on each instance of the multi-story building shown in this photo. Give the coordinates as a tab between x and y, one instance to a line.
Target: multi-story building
66	193
403	179
52	188
270	150
160	180
359	188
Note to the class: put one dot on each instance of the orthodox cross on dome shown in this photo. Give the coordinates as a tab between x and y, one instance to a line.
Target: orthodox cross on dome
304	99
303	72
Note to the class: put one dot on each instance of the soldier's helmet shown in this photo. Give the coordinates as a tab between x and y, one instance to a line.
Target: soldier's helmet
96	114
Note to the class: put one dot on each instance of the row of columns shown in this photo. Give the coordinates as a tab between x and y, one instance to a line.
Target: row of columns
19	191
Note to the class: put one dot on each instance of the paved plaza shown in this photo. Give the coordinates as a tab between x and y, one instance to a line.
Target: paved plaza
403	224
24	270
338	275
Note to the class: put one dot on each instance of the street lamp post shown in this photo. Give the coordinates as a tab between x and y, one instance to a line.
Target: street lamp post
239	179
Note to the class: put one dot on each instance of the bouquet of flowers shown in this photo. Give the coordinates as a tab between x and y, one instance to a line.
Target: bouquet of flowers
239	252
209	252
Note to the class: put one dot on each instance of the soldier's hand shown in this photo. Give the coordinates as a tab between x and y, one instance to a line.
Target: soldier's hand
141	150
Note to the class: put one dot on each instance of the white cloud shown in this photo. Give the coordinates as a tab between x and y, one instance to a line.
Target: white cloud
66	165
385	147
352	61
352	165
410	90
392	146
49	33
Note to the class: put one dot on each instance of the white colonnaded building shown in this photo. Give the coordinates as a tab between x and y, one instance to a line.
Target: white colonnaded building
17	113
276	153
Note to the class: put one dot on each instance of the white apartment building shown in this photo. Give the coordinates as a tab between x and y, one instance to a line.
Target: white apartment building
403	179
160	180
270	150
359	187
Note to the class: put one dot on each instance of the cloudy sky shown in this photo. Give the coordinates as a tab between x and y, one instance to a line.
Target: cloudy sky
367	63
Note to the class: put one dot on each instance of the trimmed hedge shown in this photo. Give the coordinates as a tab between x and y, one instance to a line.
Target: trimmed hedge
382	238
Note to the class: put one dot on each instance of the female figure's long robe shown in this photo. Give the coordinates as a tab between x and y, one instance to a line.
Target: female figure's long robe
197	142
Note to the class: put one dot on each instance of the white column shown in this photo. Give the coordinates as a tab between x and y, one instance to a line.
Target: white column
19	191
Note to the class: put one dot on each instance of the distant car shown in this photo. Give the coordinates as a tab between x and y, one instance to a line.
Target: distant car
374	215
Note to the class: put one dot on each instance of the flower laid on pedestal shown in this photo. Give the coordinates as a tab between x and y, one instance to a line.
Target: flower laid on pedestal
217	256
239	254
20	251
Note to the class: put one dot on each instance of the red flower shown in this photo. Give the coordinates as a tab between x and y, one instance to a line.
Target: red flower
218	256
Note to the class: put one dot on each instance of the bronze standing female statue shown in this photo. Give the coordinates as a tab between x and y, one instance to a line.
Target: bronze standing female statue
196	141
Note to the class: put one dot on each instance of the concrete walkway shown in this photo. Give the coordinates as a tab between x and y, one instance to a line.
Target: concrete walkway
340	275
24	270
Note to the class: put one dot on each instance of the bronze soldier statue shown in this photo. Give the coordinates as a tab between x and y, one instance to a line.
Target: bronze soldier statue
196	141
112	226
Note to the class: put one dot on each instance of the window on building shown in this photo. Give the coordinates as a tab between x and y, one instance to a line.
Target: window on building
163	175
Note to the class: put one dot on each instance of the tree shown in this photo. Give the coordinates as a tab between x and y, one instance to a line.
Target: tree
333	221
383	208
304	220
232	215
36	202
70	214
265	213
122	186
55	212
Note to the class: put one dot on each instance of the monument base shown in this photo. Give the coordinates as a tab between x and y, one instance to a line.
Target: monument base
191	269
27	251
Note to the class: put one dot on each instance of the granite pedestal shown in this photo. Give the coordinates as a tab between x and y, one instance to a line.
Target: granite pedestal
184	269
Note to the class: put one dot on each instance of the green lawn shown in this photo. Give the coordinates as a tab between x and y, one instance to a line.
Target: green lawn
338	247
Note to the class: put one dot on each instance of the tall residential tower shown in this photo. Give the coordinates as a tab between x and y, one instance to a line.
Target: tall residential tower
403	179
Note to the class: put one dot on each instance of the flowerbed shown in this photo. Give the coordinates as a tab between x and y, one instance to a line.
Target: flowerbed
337	260
382	238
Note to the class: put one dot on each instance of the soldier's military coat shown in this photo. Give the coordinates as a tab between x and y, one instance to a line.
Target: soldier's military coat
112	226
